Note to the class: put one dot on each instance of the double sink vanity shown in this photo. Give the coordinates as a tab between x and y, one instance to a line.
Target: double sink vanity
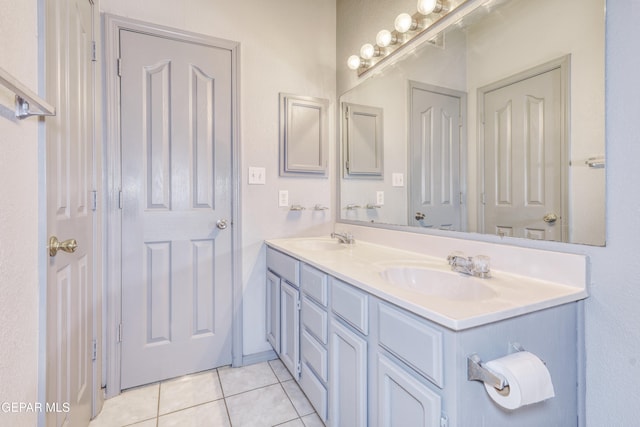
381	336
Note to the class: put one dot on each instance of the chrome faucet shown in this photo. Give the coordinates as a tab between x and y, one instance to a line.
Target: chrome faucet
477	266
344	237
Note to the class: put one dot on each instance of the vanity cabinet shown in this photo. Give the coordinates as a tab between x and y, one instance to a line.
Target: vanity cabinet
348	364
283	308
314	338
366	361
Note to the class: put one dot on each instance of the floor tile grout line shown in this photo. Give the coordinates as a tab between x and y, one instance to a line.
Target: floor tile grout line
224	399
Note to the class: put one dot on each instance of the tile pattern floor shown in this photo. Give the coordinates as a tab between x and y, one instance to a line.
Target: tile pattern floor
258	395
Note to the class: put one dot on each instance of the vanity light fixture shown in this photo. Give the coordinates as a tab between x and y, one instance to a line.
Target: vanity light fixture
407	28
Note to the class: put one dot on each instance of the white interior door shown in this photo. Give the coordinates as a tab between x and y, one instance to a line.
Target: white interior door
523	158
434	159
176	204
70	169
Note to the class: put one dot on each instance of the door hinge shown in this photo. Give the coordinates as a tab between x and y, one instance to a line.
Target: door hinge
461	198
93	51
94	200
482	198
94	354
298	368
119	333
120	202
119	67
444	421
298	305
346	165
346	113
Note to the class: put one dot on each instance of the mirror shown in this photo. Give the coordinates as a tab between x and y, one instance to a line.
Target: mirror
497	129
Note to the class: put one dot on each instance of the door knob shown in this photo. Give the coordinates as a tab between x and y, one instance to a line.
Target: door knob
55	245
550	218
419	216
221	224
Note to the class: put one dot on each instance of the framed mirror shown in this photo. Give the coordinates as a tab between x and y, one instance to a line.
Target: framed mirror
498	129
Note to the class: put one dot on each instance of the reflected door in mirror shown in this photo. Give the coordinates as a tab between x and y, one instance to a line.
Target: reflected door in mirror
523	146
434	142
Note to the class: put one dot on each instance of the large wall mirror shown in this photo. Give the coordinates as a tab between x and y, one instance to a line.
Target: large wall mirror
497	129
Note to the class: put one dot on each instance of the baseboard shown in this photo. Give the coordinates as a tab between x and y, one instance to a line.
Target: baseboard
250	359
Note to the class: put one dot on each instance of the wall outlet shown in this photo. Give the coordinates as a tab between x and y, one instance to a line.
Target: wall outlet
397	179
380	198
283	198
257	175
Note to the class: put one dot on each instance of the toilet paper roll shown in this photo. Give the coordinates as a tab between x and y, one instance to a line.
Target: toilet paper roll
529	380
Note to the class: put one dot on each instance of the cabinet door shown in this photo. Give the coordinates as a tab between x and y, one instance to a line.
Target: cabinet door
403	400
273	311
347	377
290	328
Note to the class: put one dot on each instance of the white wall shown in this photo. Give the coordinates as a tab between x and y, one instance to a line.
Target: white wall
19	241
285	46
612	332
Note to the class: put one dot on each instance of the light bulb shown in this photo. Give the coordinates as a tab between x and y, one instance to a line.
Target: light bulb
353	62
384	38
404	22
368	51
426	7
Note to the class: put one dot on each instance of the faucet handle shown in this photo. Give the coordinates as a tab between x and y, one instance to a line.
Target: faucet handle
453	256
480	265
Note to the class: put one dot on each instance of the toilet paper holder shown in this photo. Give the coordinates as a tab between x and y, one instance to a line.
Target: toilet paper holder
477	372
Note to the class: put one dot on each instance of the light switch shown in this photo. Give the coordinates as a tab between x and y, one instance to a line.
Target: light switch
257	175
397	179
283	198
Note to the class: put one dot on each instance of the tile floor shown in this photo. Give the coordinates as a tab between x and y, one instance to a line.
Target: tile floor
258	395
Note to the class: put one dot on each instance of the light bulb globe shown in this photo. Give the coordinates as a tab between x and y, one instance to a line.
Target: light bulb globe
403	22
353	62
426	7
383	38
367	51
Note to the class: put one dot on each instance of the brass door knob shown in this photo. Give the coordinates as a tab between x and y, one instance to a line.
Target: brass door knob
55	245
550	218
419	216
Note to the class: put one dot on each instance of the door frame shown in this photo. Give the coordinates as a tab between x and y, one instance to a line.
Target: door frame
564	65
112	25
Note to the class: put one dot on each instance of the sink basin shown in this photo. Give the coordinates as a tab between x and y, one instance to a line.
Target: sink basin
438	283
320	245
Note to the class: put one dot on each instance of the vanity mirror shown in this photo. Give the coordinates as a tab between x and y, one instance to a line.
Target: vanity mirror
498	128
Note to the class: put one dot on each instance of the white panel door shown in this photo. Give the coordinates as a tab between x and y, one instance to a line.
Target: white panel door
176	201
70	169
434	144
522	158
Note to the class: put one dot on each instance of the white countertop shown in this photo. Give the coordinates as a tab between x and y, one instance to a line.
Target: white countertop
360	265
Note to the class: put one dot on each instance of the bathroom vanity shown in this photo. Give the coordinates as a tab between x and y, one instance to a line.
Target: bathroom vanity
377	336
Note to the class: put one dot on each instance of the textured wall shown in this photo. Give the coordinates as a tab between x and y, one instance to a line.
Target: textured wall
18	217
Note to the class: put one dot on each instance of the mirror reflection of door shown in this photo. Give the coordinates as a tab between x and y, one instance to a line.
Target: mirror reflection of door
523	148
435	134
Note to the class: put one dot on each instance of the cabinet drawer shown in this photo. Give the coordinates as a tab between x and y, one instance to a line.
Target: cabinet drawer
314	355
315	391
314	318
350	304
412	340
283	265
314	283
